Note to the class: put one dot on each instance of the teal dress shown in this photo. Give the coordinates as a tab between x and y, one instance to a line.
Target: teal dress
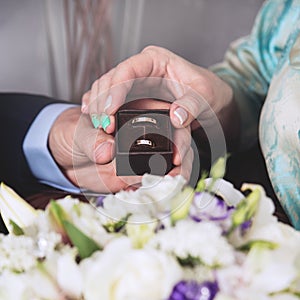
264	72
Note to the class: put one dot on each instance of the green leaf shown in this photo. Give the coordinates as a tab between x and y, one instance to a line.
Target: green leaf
261	244
181	204
116	226
218	168
16	229
189	261
58	214
246	209
201	183
85	245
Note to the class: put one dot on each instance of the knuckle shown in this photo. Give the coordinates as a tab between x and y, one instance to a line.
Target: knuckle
95	85
86	96
155	50
151	48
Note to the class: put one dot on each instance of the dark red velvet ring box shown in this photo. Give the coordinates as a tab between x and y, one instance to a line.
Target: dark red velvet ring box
143	142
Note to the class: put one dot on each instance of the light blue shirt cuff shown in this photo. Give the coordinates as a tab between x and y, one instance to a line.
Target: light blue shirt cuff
38	156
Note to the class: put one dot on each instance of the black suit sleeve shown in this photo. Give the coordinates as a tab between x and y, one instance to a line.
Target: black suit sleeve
17	112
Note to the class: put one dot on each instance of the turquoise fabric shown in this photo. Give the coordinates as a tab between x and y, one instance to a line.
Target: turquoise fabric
264	72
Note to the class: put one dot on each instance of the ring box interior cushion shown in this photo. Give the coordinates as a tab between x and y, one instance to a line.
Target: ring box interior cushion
143	142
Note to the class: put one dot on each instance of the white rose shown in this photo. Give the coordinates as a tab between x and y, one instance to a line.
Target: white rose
120	272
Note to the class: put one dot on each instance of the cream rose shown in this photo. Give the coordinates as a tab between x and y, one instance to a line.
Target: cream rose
121	272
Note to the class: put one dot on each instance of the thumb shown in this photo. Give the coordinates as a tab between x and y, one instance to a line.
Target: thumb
91	145
187	108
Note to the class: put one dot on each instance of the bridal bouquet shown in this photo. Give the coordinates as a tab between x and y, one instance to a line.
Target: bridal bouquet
164	240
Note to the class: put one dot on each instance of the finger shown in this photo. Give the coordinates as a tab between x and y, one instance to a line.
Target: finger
186	109
99	92
85	102
101	178
101	106
182	143
91	144
115	85
185	169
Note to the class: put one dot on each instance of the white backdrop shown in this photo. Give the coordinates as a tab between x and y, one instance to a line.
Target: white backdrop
199	30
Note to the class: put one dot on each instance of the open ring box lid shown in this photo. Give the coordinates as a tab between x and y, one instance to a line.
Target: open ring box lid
143	142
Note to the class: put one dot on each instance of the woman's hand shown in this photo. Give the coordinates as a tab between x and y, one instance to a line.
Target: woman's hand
197	99
195	92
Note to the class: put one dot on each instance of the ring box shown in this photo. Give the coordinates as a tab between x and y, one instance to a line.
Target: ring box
143	142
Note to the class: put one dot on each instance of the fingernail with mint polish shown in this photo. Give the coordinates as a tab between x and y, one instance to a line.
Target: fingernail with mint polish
105	121
95	120
181	114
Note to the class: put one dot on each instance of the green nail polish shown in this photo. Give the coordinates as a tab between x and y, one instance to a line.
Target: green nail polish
105	121
96	121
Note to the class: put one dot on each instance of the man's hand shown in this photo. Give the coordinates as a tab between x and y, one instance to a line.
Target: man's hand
85	154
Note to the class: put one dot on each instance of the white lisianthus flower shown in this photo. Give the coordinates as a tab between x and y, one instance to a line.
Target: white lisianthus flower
263	221
278	233
271	270
233	286
113	208
226	190
264	272
151	199
124	203
120	272
202	240
162	189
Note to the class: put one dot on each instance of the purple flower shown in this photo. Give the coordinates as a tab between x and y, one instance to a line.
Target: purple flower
209	207
99	201
245	226
192	290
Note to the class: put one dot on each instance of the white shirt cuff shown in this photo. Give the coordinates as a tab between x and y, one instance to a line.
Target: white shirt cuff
35	147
